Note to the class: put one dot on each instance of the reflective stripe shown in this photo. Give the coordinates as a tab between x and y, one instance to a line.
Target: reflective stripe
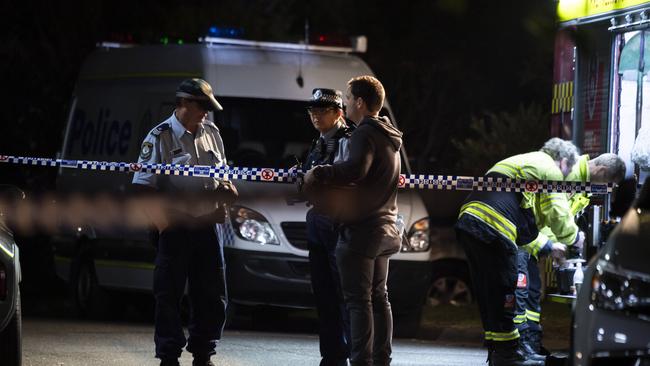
548	200
536	245
531	315
502	337
519	318
511	170
491	218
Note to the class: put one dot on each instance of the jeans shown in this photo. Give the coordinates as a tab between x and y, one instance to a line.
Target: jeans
363	280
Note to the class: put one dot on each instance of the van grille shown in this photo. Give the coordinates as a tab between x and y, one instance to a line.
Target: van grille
296	233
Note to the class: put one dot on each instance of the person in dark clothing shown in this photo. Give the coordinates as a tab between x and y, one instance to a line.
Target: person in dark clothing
326	114
368	235
490	228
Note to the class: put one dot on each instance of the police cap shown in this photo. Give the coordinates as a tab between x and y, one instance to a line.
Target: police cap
321	97
198	89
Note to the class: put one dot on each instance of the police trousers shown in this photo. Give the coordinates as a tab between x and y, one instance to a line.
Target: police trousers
493	269
189	253
333	317
363	279
528	293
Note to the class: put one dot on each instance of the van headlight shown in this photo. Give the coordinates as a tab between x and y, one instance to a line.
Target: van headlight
418	237
252	226
616	291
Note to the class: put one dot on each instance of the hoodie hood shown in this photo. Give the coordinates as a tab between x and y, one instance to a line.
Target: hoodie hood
384	125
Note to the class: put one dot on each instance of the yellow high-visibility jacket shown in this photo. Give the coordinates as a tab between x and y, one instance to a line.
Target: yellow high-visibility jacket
552	210
577	201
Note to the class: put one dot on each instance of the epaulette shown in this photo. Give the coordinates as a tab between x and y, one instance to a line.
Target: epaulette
344	132
211	124
160	128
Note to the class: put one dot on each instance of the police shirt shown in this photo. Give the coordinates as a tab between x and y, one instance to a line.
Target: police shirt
319	151
171	143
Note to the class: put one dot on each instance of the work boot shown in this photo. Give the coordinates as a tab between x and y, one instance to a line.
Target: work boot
525	343
169	362
202	361
535	340
334	362
510	354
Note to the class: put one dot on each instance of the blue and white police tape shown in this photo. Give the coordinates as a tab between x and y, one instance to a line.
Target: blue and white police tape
415	181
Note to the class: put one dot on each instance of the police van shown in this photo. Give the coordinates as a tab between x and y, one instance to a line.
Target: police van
124	90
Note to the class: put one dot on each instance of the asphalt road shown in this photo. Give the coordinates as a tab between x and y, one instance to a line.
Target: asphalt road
71	342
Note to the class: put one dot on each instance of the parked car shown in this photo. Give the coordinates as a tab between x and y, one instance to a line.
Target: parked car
10	316
612	311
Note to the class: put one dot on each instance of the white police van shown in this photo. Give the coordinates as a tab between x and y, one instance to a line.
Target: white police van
122	92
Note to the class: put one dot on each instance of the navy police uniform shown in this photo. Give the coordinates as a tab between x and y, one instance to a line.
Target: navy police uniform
322	236
188	249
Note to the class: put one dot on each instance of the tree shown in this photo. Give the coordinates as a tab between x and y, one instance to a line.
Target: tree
495	136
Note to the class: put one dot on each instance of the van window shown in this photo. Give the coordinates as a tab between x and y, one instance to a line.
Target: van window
264	132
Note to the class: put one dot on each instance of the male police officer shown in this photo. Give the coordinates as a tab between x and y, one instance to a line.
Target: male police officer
491	226
326	113
369	236
603	169
188	249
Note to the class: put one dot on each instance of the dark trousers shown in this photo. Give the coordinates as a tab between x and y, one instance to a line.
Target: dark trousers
493	268
363	280
529	288
189	253
333	317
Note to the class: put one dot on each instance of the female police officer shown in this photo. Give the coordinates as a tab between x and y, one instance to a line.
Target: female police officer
326	113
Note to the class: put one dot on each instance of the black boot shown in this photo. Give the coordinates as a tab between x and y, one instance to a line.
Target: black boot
169	362
535	337
526	344
510	354
202	361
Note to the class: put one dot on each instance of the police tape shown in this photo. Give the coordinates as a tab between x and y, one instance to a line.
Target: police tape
413	181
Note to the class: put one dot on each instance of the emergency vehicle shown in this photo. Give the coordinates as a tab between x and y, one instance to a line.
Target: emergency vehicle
601	101
124	90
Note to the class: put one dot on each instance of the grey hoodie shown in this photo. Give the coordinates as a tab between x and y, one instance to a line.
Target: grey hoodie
373	167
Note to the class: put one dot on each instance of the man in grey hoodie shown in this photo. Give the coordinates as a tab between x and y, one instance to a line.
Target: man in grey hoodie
369	235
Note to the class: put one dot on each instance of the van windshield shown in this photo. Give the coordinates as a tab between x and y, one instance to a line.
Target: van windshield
264	132
267	133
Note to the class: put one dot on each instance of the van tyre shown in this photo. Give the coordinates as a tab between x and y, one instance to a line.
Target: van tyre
11	338
91	300
450	284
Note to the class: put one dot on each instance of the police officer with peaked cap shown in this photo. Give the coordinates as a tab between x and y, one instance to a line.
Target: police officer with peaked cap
326	114
188	249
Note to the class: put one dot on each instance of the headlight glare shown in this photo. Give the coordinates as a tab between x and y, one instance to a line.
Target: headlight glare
252	226
418	236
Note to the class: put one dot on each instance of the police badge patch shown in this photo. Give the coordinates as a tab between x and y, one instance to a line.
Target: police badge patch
145	151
